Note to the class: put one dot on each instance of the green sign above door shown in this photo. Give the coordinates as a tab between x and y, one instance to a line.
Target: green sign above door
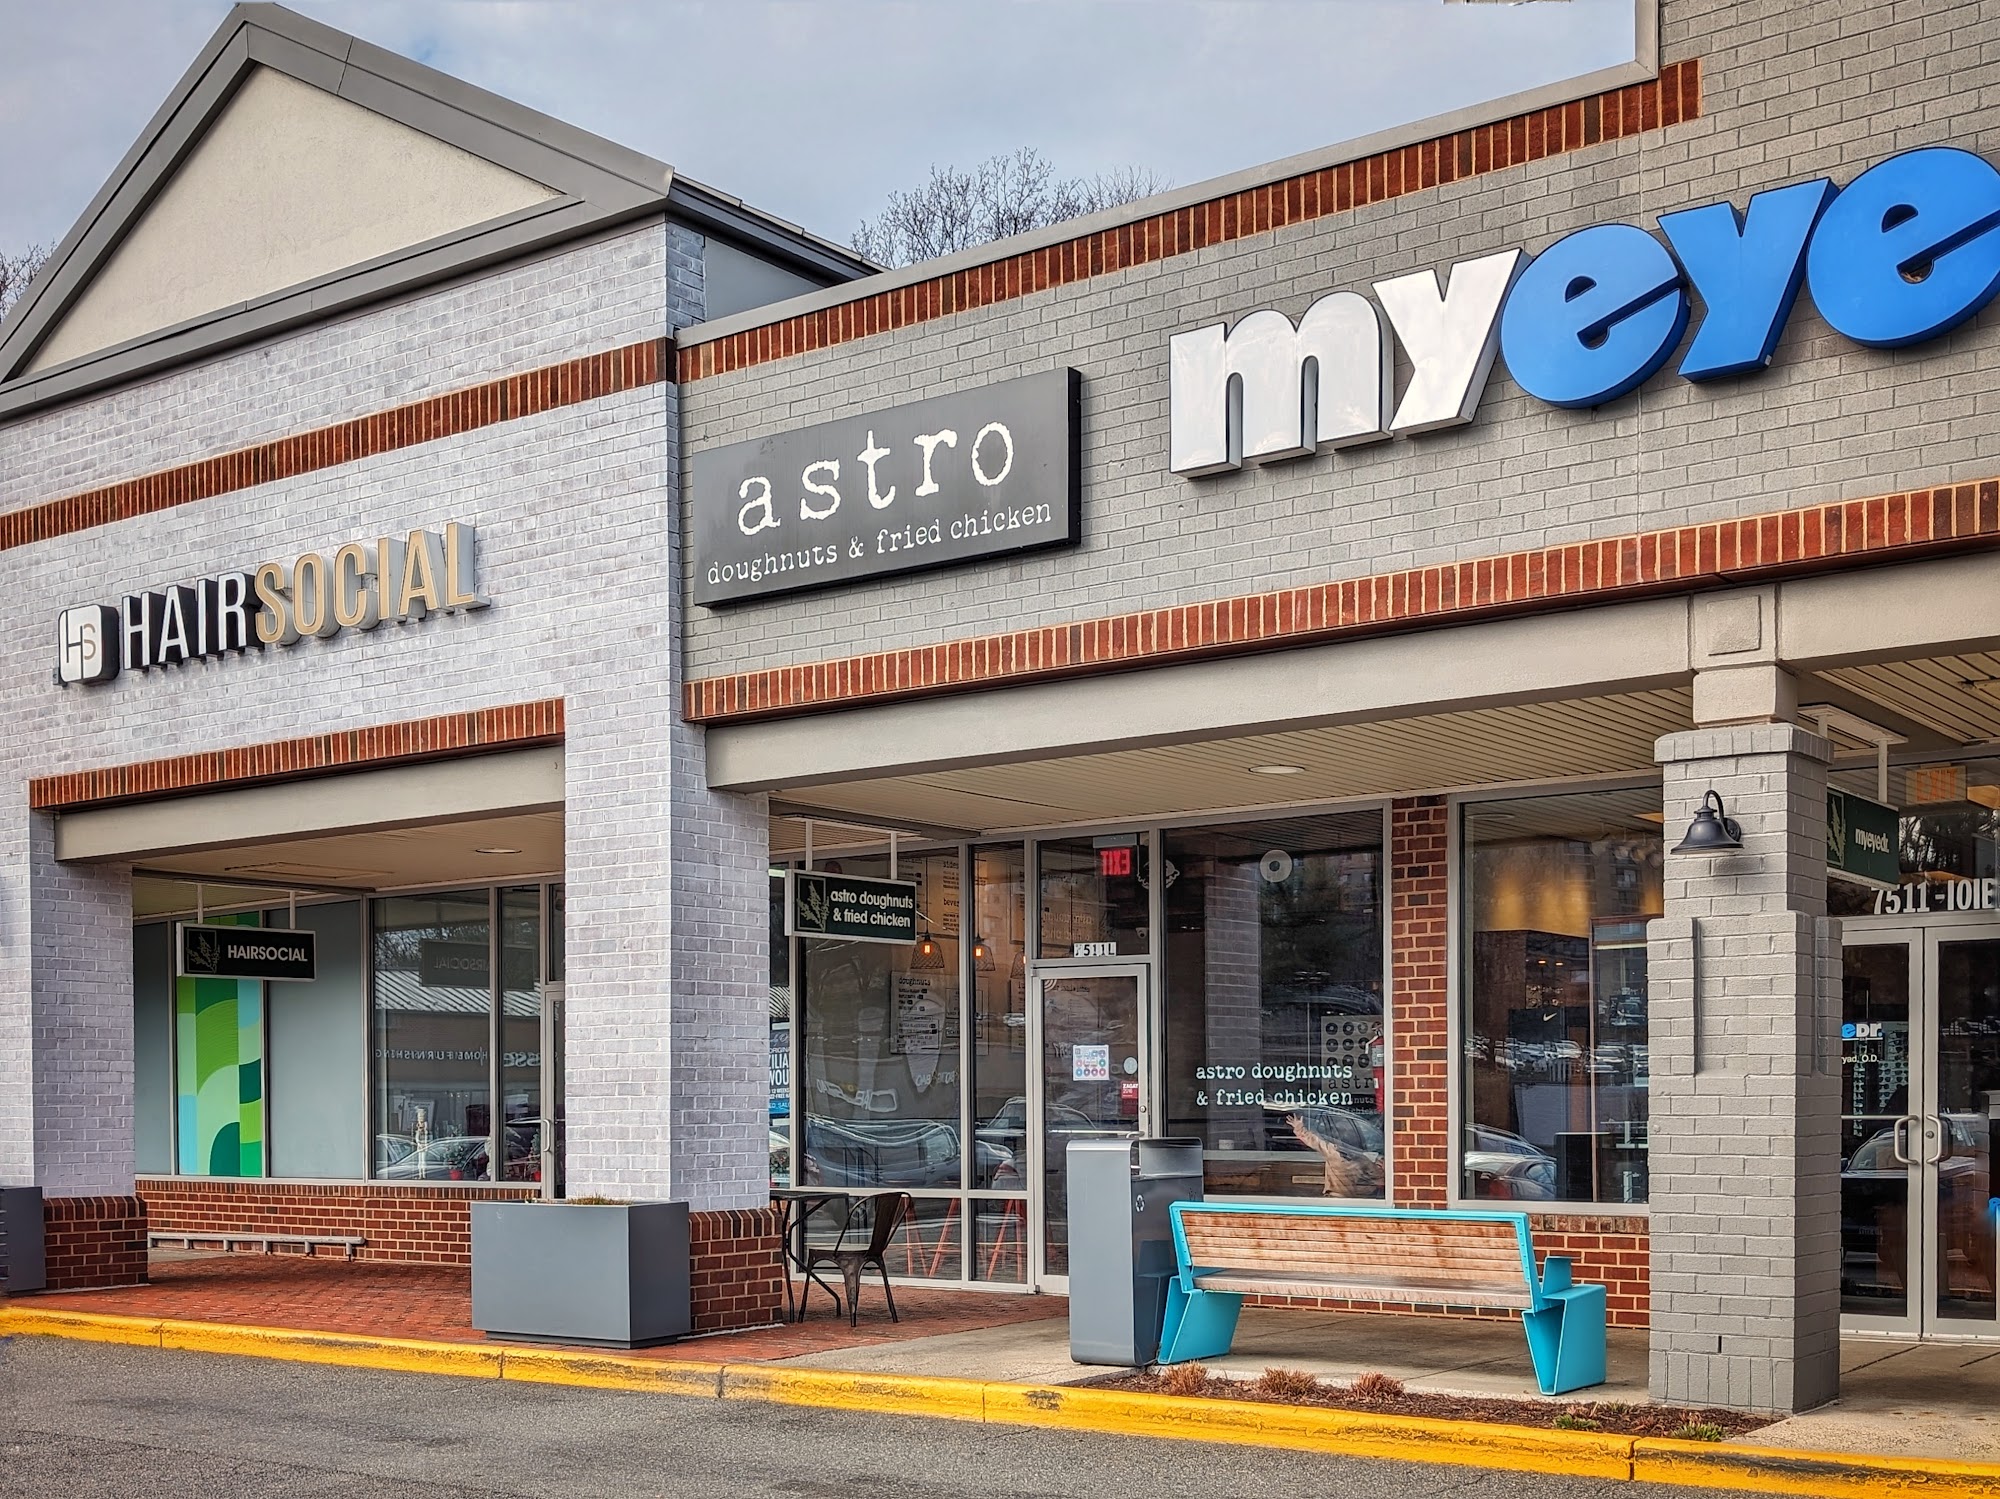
846	905
1861	840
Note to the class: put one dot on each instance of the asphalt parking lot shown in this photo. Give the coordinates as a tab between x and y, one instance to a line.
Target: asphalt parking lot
82	1420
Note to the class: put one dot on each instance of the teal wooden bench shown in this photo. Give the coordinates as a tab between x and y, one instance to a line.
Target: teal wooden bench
1404	1256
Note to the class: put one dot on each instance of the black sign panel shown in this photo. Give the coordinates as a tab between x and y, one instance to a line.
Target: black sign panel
979	473
245	952
846	905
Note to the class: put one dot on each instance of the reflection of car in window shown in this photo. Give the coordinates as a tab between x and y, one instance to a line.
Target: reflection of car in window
889	1153
390	1149
1500	1163
1875	1203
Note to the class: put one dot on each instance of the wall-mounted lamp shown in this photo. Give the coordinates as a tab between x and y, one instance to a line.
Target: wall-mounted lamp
1712	831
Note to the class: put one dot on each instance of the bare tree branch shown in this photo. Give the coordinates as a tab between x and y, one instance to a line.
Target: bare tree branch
16	271
960	207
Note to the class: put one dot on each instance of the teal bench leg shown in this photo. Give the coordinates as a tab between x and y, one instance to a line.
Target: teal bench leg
1566	1340
1199	1324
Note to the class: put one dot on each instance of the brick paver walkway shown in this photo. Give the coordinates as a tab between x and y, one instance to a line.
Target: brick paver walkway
425	1301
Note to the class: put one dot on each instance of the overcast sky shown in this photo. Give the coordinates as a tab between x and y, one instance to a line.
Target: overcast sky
817	109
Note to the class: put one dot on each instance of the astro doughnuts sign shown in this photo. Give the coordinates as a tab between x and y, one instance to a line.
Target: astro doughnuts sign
978	473
359	586
1905	252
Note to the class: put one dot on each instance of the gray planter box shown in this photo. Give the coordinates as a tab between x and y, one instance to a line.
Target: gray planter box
614	1276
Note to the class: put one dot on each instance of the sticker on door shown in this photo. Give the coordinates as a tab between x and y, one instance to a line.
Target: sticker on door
1090	1064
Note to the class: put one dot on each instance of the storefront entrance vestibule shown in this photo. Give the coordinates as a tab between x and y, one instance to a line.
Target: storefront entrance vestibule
1222	981
1920	1101
1096	1029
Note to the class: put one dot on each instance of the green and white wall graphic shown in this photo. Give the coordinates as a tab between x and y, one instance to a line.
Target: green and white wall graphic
219	1071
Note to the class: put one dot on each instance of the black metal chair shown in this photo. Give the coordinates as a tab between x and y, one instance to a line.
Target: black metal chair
888	1210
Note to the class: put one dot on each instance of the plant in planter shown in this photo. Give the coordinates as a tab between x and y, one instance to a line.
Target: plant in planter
587	1270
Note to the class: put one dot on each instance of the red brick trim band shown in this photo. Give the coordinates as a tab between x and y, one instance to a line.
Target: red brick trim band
447	415
1667	100
514	727
1677	560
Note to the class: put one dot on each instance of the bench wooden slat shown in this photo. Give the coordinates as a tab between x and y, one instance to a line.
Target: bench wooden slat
1402	1289
1451	1253
1358	1246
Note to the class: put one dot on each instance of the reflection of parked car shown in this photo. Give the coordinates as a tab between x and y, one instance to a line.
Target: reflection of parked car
1499	1163
1874	1212
389	1149
453	1158
1357	1138
781	1158
1007	1129
468	1158
889	1153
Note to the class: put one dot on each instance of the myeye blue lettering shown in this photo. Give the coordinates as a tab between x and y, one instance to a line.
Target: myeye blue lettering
1907	251
1593	316
1747	268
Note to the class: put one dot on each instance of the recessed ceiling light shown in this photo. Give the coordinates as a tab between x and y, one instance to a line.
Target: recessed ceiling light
1277	770
496	850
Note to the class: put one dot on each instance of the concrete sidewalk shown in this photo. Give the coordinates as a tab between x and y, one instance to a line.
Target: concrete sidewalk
1936	1400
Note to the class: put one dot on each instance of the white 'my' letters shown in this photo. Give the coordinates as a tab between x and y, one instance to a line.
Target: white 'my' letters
1451	337
1266	391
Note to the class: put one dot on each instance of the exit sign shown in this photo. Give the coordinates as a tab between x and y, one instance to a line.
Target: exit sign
1115	863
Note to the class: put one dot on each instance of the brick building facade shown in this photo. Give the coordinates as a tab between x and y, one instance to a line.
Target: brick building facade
1324	807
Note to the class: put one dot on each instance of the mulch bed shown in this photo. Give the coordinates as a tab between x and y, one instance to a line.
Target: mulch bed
1387	1397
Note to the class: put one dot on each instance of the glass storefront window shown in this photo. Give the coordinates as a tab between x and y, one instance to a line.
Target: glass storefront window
1275	1042
781	1038
879	1094
433	1032
999	1027
521	1032
1093	897
1948	840
1558	891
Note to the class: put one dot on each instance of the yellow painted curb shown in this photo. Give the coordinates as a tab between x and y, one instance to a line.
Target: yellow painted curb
1764	1470
89	1327
895	1394
1824	1475
610	1371
1314	1429
405	1355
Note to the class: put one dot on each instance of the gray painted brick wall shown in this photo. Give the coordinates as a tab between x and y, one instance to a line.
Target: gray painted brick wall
576	526
1744	973
1790	92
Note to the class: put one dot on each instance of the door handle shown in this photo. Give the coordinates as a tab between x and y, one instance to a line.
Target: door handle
1896	1140
1943	1137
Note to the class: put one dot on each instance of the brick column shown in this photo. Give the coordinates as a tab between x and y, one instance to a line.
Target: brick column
66	1093
1419	1002
1745	1151
668	1045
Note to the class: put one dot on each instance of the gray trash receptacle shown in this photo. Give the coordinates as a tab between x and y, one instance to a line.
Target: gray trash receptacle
1121	1243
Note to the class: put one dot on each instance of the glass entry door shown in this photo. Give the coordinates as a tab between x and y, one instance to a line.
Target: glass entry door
1094	1083
1920	1074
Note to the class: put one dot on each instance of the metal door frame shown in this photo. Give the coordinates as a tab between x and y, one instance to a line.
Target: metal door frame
1932	1144
1140	971
1923	1124
1916	1265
